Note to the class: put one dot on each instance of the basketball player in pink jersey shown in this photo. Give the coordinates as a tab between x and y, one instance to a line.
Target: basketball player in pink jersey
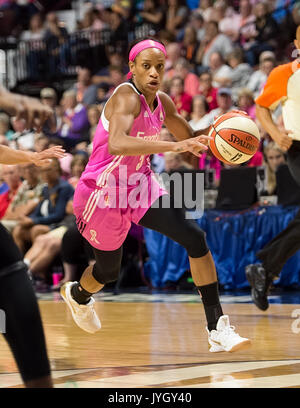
105	202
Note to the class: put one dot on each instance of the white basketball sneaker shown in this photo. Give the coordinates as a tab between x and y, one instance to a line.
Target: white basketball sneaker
84	315
224	338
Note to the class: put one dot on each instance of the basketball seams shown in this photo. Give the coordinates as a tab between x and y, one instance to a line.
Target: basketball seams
214	146
239	130
234	146
249	156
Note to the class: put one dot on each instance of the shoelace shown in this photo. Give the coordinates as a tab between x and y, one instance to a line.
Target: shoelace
229	331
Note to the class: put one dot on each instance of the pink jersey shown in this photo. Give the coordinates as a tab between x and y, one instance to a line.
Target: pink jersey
123	185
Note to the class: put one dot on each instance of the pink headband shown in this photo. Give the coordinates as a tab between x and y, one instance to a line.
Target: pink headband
143	45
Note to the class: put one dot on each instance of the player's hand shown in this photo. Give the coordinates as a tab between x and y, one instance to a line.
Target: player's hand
196	145
44	158
283	140
31	110
25	221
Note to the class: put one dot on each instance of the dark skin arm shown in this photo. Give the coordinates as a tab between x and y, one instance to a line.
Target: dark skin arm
121	111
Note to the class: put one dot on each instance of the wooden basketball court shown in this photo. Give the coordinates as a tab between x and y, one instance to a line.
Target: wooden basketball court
154	341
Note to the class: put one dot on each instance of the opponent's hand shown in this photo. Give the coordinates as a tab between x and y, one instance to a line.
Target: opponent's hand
196	145
283	140
44	158
31	110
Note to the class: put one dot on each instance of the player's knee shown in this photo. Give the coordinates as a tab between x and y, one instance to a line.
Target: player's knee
195	242
105	276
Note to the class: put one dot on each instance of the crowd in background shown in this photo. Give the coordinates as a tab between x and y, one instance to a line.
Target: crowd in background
220	54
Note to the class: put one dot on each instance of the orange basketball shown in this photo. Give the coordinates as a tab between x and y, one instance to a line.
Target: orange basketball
235	137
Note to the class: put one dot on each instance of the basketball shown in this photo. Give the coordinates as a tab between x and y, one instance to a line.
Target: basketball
235	137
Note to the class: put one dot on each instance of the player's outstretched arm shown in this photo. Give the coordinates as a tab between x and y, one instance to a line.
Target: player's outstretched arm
177	125
125	109
30	109
11	156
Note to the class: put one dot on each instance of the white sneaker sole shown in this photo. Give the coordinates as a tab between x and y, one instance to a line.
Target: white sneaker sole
217	348
65	297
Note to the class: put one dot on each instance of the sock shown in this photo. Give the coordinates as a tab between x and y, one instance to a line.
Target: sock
79	294
211	302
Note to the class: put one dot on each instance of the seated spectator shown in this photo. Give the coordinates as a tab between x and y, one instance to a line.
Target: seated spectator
205	7
241	71
77	166
225	104
175	162
11	176
190	44
41	142
258	79
199	110
49	97
46	247
176	16
4	127
56	37
213	41
36	29
49	212
93	117
3	186
86	91
227	18
247	29
209	161
191	81
221	73
246	103
181	99
115	59
173	54
119	31
75	124
197	22
267	31
274	157
92	20
116	78
206	89
152	15
27	197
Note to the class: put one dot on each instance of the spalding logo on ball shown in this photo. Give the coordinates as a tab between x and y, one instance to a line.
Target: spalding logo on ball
235	137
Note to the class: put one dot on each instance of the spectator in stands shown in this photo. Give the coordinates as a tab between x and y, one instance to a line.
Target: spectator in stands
241	71
199	110
181	99
191	81
92	20
86	91
265	36
118	26
152	15
36	29
197	22
225	104
4	127
26	198
41	142
205	7
75	124
49	97
247	30
274	157
77	166
206	89
259	77
176	16
55	37
175	162
213	42
173	55
227	18
49	212
116	78
11	176
190	44
93	117
115	59
221	72
102	93
245	102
